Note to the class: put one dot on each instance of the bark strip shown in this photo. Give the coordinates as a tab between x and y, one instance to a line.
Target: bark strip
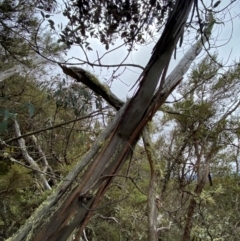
75	201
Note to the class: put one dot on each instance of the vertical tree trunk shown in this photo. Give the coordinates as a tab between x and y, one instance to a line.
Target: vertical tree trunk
152	189
188	224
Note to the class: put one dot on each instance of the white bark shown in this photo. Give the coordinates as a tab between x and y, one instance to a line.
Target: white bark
41	177
183	66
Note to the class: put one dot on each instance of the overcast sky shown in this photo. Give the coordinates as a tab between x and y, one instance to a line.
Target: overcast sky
227	46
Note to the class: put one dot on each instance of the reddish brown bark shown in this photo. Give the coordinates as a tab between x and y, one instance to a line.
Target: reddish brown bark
78	203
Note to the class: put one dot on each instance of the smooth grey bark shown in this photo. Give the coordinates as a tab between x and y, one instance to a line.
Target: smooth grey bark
152	188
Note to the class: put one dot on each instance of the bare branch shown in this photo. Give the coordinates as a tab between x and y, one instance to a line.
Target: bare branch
46	166
31	168
107	218
42	179
53	127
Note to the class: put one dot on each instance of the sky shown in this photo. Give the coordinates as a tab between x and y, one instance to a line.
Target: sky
225	41
227	45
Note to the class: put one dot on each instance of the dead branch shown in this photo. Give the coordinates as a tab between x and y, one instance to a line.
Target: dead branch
41	177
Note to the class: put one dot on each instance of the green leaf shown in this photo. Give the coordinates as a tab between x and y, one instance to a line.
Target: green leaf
98	104
51	24
216	4
51	21
107	46
42	14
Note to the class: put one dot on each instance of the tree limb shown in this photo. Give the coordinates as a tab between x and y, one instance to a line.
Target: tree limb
41	177
83	76
52	127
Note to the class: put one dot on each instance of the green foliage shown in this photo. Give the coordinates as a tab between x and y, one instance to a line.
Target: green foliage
110	19
218	220
204	126
122	214
34	108
30	99
18	199
5	166
198	123
75	97
15	23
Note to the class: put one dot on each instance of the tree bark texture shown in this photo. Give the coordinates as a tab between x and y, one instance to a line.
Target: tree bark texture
78	207
75	201
152	188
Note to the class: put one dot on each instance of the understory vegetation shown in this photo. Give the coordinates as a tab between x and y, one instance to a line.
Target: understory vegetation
174	176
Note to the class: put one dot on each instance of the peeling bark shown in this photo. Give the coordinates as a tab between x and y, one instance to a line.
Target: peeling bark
76	202
75	209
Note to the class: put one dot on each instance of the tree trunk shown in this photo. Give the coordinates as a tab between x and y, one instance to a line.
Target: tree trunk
188	224
74	203
152	188
40	175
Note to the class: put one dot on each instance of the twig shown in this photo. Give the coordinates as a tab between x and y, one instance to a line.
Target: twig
53	127
107	218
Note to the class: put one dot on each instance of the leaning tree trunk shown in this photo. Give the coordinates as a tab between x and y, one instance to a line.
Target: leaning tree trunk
74	202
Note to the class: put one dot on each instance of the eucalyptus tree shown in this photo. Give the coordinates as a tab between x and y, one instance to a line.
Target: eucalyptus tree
197	159
68	210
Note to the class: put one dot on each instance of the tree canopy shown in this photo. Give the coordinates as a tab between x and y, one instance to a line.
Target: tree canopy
79	163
